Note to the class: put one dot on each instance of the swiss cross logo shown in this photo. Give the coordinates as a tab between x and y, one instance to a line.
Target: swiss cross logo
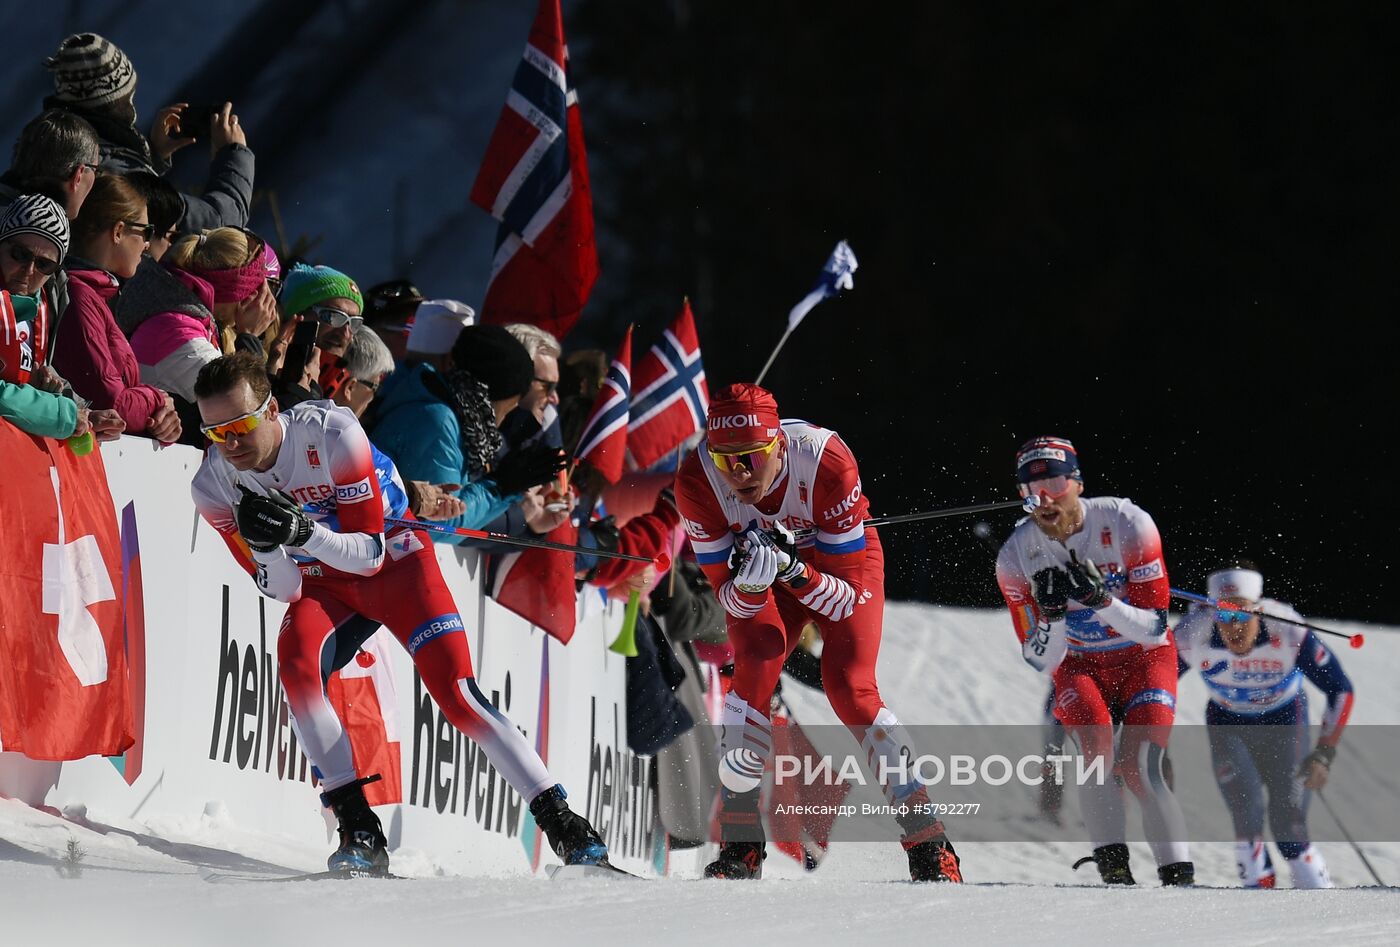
313	459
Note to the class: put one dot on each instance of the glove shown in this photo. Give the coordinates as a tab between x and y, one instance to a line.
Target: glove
1051	592
528	467
758	564
1323	754
791	570
267	522
1086	584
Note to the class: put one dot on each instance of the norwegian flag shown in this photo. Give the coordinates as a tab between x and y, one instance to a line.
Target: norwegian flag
603	442
538	584
671	396
534	180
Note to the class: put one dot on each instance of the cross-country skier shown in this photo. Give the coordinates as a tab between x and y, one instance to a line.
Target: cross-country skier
747	489
1257	719
300	497
1088	592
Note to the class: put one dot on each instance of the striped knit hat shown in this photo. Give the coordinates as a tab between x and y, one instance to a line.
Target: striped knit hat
90	71
36	214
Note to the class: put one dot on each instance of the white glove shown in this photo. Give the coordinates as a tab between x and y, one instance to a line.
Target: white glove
759	566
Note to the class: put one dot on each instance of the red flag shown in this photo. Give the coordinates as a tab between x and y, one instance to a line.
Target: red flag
671	396
364	697
538	584
534	180
603	442
64	692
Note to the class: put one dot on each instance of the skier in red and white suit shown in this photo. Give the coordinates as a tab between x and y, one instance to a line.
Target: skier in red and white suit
300	497
753	486
1088	591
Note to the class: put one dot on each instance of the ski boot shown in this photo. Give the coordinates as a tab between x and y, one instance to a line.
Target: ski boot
1113	864
931	855
363	849
1177	874
743	846
570	835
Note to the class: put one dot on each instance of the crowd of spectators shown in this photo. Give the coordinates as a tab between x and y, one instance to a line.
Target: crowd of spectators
118	288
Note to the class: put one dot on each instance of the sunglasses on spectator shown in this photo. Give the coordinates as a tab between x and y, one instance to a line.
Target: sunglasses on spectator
147	231
25	256
1053	487
753	460
550	387
336	318
218	433
1232	616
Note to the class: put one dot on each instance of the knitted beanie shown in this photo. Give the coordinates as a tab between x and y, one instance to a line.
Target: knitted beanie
36	214
90	71
496	359
304	286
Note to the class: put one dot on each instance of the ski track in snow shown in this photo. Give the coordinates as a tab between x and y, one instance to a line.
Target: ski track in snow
938	665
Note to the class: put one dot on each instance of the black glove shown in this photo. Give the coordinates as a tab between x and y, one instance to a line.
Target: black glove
266	522
1323	754
1051	592
528	467
1086	583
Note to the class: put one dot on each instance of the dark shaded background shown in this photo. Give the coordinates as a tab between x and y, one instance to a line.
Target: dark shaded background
1165	233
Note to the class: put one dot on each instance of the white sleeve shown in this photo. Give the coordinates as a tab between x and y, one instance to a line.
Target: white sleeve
1045	646
1146	626
278	575
356	553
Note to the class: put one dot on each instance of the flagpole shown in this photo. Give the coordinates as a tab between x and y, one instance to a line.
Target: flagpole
769	364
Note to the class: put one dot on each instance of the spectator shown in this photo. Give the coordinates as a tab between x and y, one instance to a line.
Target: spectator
90	350
33	242
358	375
164	206
57	156
389	310
440	422
94	80
328	296
537	417
234	264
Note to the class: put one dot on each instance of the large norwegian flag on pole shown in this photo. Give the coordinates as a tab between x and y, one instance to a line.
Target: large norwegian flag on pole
534	180
64	691
603	442
671	396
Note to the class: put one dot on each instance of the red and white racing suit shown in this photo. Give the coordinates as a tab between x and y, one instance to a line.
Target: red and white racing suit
348	579
1114	664
818	496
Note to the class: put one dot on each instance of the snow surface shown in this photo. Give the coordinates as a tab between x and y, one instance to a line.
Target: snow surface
139	884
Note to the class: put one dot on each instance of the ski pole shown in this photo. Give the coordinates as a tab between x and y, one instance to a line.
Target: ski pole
661	561
1356	848
1357	640
1026	504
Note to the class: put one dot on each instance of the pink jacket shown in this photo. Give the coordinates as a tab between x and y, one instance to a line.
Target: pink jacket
93	354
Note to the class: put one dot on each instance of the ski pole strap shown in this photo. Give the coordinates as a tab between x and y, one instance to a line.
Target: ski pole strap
522	541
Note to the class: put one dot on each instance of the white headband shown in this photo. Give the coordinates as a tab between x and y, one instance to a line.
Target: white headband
1236	583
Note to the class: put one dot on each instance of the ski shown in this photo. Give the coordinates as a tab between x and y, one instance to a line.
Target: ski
230	877
575	872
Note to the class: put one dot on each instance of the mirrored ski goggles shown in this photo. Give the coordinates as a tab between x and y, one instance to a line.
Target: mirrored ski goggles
336	318
1053	487
1232	616
218	433
752	460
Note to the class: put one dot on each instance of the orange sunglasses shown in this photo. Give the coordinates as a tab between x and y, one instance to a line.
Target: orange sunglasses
218	433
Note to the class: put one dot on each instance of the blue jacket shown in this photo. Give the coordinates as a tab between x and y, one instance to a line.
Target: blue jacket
421	434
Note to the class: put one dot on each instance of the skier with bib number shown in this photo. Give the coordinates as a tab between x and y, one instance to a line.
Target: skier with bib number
1088	591
300	497
751	487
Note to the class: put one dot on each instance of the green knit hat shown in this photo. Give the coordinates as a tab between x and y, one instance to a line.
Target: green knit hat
304	286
